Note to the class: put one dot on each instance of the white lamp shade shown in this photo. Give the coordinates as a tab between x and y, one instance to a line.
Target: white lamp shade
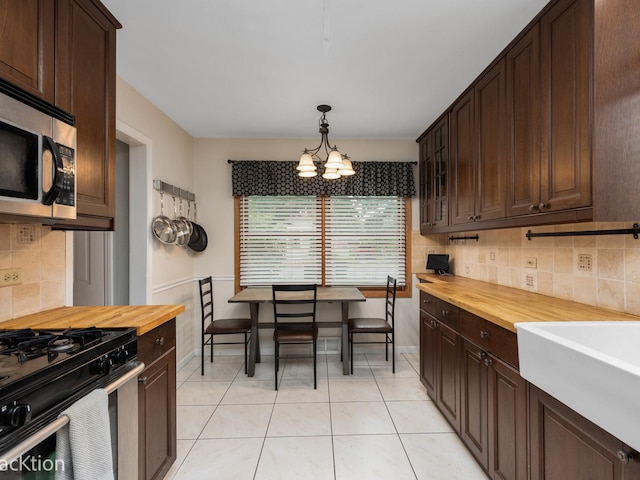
307	173
347	168
330	173
306	163
334	160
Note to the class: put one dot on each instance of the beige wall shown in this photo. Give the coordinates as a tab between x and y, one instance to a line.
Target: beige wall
42	260
171	160
500	256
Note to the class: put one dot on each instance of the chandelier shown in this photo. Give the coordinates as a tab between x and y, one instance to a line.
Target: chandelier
336	164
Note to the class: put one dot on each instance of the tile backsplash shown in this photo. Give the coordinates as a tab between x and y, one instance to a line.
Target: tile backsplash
40	254
599	270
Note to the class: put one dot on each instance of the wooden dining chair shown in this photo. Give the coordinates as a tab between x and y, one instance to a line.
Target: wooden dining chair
384	326
295	302
225	326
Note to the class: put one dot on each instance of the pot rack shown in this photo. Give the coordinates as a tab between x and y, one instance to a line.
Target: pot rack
635	231
174	191
475	237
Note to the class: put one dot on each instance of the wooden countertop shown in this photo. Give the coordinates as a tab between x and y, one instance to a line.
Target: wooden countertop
505	306
143	318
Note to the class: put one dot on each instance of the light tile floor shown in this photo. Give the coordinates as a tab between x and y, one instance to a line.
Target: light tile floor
373	424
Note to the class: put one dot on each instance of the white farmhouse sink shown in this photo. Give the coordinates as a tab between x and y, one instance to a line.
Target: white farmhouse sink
593	367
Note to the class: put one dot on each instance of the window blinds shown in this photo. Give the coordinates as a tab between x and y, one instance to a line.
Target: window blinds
280	240
365	240
283	239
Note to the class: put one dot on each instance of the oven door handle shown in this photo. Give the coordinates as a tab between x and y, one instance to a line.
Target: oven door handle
133	369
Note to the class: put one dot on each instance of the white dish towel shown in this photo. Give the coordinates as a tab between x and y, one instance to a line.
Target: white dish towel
84	444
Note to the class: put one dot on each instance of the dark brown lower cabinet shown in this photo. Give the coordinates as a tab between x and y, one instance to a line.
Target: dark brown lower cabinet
493	413
514	430
448	373
565	445
440	366
157	402
508	432
474	392
428	351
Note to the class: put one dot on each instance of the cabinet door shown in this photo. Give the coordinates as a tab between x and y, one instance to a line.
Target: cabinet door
86	88
565	445
565	33
448	374
27	57
523	120
490	99
463	161
426	183
434	177
440	156
507	419
473	414
157	417
428	353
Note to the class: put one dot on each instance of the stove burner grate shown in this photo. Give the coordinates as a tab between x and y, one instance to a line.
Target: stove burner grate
27	344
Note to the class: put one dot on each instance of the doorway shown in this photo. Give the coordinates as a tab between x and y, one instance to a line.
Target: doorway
111	268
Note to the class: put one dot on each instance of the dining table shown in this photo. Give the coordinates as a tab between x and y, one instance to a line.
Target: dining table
255	296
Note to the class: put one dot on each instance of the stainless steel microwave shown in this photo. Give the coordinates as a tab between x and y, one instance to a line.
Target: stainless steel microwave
37	163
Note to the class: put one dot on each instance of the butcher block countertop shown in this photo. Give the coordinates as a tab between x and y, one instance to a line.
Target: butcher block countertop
143	318
506	306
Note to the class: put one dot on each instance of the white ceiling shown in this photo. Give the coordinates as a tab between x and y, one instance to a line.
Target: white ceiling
259	68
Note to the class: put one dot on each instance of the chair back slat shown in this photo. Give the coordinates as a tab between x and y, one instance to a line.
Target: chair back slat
206	301
287	297
390	303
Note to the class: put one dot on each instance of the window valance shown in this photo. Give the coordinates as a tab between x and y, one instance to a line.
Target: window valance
267	177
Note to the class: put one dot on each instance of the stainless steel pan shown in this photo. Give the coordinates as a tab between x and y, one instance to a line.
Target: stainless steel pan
163	227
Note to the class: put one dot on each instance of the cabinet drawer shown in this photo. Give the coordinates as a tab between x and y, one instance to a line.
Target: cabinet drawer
447	314
494	339
152	345
428	303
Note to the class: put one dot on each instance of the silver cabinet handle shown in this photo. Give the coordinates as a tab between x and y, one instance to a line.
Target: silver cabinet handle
624	457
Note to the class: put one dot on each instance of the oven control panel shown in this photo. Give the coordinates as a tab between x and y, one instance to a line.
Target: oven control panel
15	415
112	360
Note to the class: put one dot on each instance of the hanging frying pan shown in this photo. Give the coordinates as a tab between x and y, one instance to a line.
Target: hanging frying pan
198	241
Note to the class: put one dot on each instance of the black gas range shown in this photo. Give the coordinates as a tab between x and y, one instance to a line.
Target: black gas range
43	372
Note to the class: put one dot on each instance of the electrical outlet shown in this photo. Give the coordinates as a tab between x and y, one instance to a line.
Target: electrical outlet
492	256
482	258
531	262
531	281
585	262
431	250
10	276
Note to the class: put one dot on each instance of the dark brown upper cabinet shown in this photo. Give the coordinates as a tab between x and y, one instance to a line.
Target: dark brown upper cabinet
616	140
565	38
64	52
27	55
434	176
86	87
549	132
523	124
478	150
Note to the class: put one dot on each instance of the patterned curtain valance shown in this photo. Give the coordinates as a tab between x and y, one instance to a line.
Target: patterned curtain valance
268	178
